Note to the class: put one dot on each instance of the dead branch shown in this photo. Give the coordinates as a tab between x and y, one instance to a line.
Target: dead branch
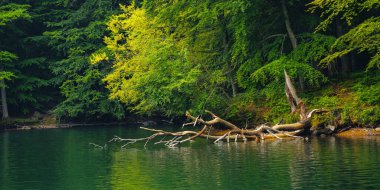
291	93
98	146
214	121
233	132
289	127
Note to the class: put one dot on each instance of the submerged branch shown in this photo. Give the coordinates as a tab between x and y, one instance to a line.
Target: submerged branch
233	132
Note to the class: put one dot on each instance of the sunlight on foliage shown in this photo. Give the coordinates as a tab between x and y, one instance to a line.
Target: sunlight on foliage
274	72
363	37
98	57
11	12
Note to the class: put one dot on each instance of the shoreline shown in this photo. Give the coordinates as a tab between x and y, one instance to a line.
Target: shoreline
353	132
61	126
37	126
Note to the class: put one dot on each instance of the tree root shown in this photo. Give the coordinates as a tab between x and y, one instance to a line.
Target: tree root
233	132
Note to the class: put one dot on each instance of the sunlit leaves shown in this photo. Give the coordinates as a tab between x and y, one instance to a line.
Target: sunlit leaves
7	57
75	34
11	12
5	75
344	9
151	72
361	38
312	48
274	71
98	57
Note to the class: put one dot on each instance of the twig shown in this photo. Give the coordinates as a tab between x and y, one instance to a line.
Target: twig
186	124
208	133
97	146
195	122
274	134
220	138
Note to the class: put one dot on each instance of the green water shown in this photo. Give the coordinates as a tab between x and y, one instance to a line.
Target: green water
63	159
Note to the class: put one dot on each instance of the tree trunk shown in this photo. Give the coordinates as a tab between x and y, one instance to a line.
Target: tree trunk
346	64
353	62
345	59
212	128
302	83
291	34
292	37
4	104
331	69
231	79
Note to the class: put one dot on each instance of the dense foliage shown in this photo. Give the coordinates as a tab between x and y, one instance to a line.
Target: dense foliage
98	59
363	36
74	34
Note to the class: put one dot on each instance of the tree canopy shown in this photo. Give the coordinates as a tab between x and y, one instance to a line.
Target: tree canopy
364	34
100	59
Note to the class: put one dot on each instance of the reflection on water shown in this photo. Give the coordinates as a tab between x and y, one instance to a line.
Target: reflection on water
62	159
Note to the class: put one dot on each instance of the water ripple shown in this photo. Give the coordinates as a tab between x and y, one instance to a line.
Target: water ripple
62	159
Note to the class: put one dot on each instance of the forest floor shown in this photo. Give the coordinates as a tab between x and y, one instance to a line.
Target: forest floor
352	101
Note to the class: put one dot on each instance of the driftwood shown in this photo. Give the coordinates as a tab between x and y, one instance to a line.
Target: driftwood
228	131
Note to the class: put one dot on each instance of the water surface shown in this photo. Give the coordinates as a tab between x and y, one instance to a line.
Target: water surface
63	159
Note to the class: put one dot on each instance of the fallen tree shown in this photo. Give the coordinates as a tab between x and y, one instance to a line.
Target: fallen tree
219	129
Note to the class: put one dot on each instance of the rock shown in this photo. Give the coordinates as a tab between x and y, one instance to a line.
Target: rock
25	128
377	129
63	126
47	126
331	127
324	131
314	133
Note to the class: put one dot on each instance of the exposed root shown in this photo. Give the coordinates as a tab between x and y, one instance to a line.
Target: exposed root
233	132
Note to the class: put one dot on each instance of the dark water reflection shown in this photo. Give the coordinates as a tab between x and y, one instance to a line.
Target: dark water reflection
62	159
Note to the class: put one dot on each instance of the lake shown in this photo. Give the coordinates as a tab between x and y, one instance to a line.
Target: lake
63	159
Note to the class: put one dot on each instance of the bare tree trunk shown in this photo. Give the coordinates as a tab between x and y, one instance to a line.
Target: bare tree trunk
292	37
4	104
291	34
212	128
345	60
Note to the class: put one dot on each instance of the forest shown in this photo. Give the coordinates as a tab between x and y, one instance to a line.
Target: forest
101	60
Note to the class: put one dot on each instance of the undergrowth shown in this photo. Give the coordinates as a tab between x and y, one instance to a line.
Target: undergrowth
353	100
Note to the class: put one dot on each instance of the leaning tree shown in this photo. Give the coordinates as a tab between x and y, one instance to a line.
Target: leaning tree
219	129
